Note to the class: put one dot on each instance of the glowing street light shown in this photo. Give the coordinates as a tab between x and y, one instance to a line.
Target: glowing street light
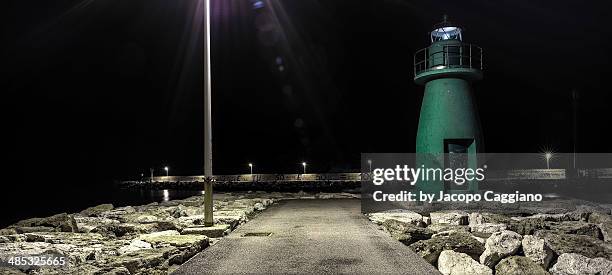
370	164
548	156
304	164
166	169
251	166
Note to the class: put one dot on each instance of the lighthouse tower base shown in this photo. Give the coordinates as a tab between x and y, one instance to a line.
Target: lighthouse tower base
449	134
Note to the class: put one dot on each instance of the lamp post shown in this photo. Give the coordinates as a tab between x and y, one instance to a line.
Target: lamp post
251	167
208	179
370	164
166	169
304	164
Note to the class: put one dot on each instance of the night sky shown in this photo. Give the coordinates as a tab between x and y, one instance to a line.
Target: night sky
97	90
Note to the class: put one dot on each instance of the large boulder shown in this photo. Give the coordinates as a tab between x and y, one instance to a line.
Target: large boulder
457	241
135	245
575	227
487	228
537	250
215	231
480	218
604	222
96	210
527	226
398	215
146	219
186	245
518	265
8	231
455	263
580	244
500	245
11	271
576	264
452	217
61	222
178	211
88	224
118	213
407	233
144	261
448	227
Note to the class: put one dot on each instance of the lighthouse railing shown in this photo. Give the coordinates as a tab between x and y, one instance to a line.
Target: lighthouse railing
448	57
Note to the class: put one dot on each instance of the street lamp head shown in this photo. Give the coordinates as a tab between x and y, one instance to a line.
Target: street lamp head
250	165
548	155
166	168
303	163
369	161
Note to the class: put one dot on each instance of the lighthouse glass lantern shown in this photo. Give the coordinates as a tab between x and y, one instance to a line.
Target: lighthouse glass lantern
446	33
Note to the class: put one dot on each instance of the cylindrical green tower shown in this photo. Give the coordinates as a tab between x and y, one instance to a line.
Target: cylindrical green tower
449	134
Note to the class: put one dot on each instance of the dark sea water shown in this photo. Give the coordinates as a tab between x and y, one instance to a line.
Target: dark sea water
34	202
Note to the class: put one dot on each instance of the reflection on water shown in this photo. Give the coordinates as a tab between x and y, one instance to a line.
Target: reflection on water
166	195
141	197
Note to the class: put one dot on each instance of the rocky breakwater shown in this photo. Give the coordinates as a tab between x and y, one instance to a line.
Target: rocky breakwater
148	239
457	242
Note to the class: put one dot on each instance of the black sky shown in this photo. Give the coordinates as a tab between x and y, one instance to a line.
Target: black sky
110	88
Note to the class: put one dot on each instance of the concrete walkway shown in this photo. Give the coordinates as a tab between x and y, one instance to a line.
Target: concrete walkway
309	236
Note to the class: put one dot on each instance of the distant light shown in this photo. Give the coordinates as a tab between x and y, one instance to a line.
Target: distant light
548	155
250	165
258	4
303	163
166	168
281	68
279	60
369	161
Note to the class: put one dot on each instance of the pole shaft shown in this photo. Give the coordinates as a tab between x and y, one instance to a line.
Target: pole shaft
574	125
207	94
208	181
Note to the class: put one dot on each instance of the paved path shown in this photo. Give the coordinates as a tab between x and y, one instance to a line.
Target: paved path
309	236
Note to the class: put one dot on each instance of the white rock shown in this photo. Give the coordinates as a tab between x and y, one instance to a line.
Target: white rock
402	216
146	219
135	245
160	233
455	263
537	250
487	227
572	263
449	217
259	206
475	218
499	245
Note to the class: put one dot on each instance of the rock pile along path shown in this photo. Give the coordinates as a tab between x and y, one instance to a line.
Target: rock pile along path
308	236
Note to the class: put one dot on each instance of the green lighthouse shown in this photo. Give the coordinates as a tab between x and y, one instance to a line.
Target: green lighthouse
449	134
